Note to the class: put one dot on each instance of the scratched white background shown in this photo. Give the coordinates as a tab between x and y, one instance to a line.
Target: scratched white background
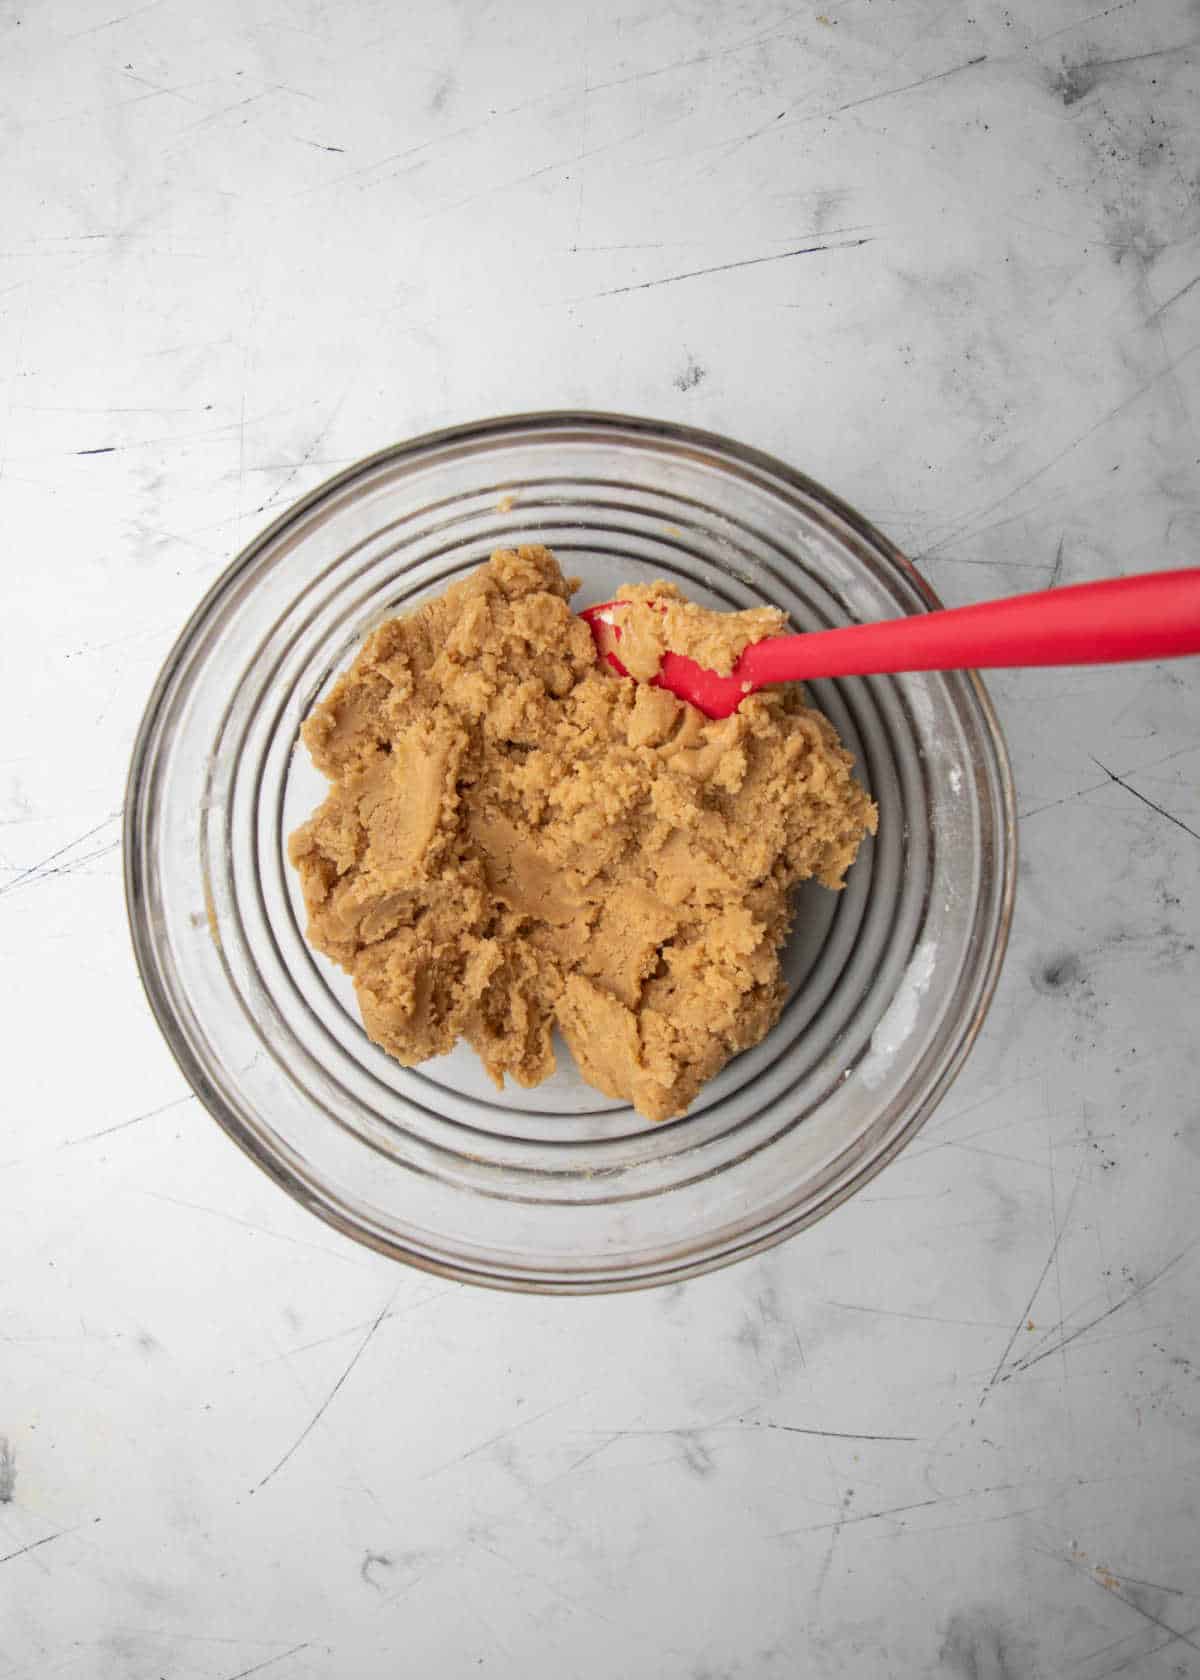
946	260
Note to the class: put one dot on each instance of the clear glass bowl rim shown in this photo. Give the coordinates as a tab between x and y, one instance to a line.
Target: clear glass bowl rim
497	427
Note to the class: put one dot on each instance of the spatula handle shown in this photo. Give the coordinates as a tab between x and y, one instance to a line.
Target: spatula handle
1153	616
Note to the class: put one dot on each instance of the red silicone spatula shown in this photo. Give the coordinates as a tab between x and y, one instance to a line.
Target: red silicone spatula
1154	616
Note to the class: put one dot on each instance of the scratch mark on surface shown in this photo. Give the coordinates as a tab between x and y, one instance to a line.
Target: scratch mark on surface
241	464
725	268
1170	365
1155	1586
1058	1236
993	1095
593	1452
742	1426
503	1434
1169	758
970	560
228	110
923	1318
72	868
978	1149
980	1522
112	23
8	1471
1058	565
964	528
1036	811
406	1311
1140	1656
329	1398
490	194
830	1434
729	51
908	87
827	1560
248	1225
1174	298
199	1638
1028	1308
1130	789
257	1668
1092	17
156	91
1136	58
542	1581
871	1516
415	151
108	449
36	869
727	149
948	1499
1023	1365
45	1541
322	433
33	1545
1111	1584
134	1120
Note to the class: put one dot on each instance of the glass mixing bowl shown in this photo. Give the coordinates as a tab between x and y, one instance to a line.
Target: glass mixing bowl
559	1189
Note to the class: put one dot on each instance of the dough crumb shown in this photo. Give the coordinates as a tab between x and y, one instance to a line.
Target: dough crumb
516	839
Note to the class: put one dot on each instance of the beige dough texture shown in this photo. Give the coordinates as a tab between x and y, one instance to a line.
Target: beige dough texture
515	838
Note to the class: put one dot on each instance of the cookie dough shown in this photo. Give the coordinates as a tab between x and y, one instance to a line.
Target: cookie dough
515	838
654	618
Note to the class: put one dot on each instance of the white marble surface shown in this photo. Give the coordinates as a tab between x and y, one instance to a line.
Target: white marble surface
943	257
